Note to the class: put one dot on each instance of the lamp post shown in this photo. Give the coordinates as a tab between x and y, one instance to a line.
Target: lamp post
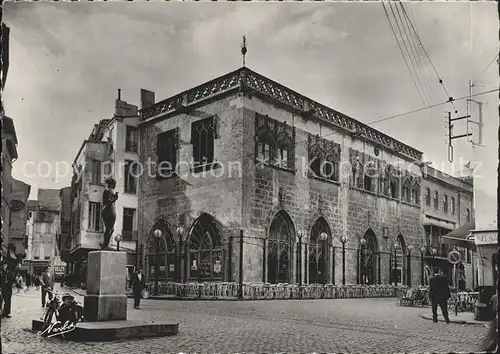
180	235
118	238
422	250
395	247
343	239
300	233
323	237
157	234
362	242
304	241
408	265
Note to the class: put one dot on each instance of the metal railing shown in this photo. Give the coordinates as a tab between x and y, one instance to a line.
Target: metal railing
266	291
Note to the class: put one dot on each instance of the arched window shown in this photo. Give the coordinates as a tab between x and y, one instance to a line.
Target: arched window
324	158
279	249
205	250
428	196
161	252
274	142
265	147
318	253
369	254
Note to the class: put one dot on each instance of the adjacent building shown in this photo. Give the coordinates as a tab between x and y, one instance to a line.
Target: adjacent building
43	231
307	186
19	217
448	216
110	151
9	156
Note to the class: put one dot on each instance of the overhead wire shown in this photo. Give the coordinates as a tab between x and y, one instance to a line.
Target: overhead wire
416	59
482	72
440	80
400	48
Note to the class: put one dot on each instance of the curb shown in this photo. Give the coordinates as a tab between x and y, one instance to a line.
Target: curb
462	322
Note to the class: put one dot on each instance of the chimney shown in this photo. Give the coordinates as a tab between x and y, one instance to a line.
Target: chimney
147	98
119	94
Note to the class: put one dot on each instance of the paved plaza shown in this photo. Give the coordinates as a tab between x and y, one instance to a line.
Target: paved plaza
352	326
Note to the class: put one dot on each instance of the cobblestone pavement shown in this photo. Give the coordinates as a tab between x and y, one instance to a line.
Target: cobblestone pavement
352	326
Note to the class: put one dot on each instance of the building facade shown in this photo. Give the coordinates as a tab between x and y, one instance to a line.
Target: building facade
9	155
448	206
64	244
315	196
110	151
44	230
19	217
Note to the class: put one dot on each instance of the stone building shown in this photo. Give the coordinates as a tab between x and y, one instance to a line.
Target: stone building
43	230
448	217
318	196
18	218
110	151
9	156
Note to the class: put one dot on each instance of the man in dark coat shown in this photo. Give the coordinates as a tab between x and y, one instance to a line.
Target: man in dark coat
47	284
439	293
138	284
7	283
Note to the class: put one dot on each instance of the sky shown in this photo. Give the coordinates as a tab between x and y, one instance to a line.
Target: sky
67	61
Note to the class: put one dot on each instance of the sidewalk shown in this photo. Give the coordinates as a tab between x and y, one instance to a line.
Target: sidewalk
465	318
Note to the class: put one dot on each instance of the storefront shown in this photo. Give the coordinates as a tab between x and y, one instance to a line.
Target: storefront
486	242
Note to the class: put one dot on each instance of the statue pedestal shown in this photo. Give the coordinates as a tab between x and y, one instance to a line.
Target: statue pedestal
106	277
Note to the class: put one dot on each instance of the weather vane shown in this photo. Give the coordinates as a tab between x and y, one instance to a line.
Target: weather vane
244	49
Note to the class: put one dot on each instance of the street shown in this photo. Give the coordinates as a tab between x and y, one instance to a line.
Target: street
357	325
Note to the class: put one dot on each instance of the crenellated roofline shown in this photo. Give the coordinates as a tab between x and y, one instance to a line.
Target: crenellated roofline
247	80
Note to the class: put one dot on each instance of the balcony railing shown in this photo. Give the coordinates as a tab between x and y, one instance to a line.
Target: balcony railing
129	235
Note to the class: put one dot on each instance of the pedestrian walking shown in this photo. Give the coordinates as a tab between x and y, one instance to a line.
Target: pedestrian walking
439	292
138	284
490	342
47	284
28	281
36	281
7	285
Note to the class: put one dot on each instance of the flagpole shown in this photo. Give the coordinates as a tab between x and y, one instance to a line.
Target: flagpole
244	49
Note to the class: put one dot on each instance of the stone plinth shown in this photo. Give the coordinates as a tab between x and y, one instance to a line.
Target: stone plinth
106	277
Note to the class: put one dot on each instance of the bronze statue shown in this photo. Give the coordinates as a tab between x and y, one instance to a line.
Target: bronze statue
108	211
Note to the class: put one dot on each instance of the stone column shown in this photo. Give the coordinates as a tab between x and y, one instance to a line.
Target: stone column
106	299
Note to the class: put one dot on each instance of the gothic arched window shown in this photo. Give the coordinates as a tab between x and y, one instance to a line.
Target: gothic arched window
318	253
369	254
205	250
161	252
279	249
274	142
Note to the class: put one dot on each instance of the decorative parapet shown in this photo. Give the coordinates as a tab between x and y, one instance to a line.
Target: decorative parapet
245	79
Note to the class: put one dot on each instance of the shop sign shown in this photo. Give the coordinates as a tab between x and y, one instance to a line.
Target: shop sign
171	267
162	268
486	238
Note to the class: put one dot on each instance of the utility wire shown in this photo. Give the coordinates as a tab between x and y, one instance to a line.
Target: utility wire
434	105
400	48
412	58
484	70
432	64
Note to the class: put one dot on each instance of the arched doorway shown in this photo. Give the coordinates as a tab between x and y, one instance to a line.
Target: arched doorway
369	254
318	252
279	249
161	252
400	266
205	255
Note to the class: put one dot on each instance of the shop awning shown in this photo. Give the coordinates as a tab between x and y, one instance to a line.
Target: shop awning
444	224
459	236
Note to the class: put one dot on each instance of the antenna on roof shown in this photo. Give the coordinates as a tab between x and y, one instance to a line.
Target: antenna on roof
244	49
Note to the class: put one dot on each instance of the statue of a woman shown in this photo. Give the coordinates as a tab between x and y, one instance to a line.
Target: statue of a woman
108	211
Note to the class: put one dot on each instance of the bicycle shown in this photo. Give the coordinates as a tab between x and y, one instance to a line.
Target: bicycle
64	307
